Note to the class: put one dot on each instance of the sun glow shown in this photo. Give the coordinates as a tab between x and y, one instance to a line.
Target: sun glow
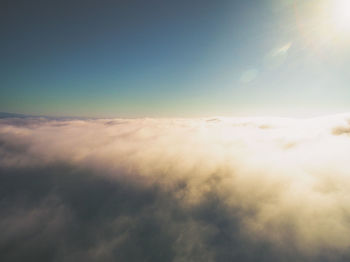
341	15
324	23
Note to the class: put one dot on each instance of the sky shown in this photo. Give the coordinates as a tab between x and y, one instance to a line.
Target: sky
163	58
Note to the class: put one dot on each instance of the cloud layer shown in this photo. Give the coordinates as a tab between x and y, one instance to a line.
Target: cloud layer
223	189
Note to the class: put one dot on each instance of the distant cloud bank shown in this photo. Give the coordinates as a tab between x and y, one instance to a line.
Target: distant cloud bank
218	189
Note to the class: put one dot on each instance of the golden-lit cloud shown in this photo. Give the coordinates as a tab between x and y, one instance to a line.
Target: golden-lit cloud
211	187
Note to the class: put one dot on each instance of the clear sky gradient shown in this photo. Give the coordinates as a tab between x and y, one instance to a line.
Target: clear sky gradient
159	58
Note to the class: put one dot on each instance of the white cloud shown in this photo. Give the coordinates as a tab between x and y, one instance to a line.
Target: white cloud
285	180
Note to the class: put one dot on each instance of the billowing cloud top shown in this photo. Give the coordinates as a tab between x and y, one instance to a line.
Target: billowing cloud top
221	189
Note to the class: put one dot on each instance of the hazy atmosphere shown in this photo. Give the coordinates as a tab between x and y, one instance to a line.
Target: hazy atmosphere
175	131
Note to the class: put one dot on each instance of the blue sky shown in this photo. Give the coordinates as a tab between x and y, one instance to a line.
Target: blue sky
173	58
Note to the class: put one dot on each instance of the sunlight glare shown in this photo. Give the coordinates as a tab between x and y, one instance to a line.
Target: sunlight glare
341	15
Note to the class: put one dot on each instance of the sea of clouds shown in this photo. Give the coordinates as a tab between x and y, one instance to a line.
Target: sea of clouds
220	189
